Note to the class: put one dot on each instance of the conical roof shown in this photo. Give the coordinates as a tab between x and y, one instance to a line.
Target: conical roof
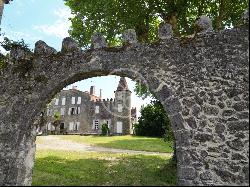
122	86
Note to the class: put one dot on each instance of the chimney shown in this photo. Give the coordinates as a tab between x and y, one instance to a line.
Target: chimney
100	93
92	90
74	87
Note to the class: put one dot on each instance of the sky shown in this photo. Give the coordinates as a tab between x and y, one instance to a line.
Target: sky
47	20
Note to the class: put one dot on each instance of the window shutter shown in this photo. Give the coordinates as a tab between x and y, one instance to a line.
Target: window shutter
93	125
79	100
49	126
77	125
57	101
78	110
69	111
70	126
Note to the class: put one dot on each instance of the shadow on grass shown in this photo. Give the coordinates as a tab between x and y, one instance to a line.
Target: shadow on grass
122	170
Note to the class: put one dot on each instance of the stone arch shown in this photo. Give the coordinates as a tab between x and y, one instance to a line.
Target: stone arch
201	81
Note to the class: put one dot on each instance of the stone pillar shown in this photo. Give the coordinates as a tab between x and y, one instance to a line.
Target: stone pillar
17	155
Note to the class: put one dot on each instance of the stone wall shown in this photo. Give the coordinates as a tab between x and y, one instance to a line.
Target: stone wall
201	81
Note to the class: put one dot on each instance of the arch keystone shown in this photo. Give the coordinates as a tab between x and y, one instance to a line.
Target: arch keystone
129	36
98	41
42	48
204	24
165	31
69	44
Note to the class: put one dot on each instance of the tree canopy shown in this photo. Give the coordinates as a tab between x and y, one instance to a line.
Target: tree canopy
154	122
112	17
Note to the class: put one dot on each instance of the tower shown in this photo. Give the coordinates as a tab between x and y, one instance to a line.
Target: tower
122	109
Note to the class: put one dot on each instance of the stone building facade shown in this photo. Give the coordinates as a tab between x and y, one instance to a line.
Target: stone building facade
85	112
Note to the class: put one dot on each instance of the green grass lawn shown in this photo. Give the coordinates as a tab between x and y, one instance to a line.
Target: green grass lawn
75	168
124	142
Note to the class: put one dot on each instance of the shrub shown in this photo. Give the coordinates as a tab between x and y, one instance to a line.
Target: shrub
105	129
154	122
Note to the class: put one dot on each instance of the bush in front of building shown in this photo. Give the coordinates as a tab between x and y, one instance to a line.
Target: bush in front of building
105	129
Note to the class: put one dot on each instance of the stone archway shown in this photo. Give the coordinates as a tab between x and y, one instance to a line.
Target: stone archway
202	83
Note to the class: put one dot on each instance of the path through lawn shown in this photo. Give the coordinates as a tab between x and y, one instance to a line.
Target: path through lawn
62	143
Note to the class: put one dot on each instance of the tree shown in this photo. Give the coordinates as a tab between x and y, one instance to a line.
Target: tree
105	129
153	122
57	120
112	17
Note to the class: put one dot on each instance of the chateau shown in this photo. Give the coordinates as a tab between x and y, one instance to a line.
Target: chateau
85	112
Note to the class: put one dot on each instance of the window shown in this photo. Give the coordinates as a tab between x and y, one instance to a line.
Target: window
79	99
96	124
62	111
72	111
108	123
119	96
49	112
119	127
97	109
76	126
63	101
57	101
73	100
119	107
50	127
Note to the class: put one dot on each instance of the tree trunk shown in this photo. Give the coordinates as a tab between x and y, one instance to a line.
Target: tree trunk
218	23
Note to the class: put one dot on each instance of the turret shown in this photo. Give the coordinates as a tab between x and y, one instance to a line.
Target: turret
122	109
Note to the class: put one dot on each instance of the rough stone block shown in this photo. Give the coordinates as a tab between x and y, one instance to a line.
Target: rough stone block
187	173
191	122
98	41
129	36
165	31
41	48
204	24
69	45
203	137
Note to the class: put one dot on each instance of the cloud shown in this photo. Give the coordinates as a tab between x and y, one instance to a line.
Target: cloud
17	35
60	27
